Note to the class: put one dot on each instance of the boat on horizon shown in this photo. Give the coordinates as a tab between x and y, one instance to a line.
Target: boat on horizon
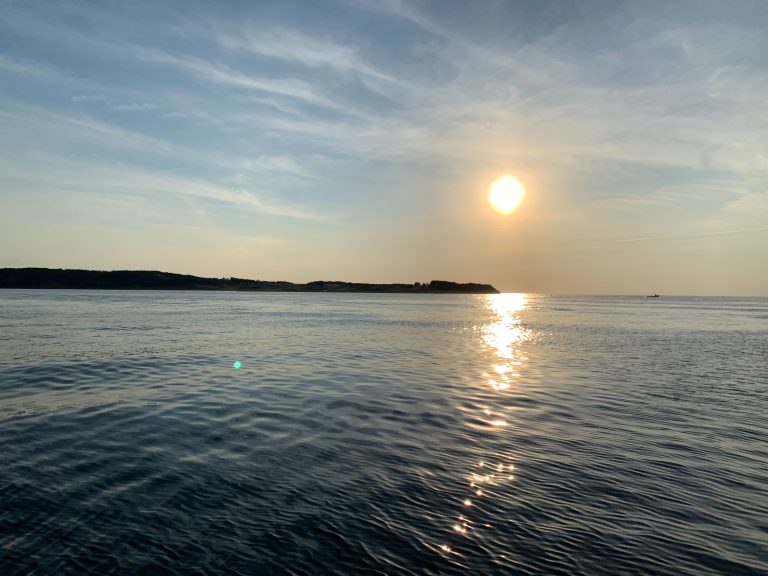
653	296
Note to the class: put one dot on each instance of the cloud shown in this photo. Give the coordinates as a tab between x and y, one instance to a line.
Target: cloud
74	177
262	164
82	127
293	46
754	204
38	71
136	107
222	74
88	98
695	236
78	130
17	66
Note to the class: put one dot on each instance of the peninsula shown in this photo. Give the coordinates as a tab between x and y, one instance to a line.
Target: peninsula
49	278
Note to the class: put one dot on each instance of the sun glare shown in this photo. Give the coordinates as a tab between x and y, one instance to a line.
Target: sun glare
506	194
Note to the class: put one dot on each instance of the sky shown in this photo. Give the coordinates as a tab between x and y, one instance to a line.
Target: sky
356	140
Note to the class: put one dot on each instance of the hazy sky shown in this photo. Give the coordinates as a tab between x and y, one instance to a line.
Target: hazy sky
355	140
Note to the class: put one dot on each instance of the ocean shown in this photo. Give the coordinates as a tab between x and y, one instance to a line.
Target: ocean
293	433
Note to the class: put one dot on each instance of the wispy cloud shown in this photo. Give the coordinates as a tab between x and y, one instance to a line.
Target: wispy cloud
292	46
136	107
223	74
68	176
695	236
89	98
753	204
80	128
17	66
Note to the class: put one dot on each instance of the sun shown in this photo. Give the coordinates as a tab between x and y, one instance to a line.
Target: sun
506	194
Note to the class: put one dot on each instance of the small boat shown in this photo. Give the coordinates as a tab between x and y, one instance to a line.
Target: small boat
652	296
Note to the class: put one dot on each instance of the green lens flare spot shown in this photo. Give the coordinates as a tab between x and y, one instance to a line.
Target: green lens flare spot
236	365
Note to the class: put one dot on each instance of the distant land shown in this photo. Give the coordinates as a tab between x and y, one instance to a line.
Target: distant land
49	278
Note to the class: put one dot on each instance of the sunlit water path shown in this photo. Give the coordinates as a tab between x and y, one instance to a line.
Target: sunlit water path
387	434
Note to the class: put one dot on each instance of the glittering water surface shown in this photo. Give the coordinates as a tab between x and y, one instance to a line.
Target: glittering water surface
225	433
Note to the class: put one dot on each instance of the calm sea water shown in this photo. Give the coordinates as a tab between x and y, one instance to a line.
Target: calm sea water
387	434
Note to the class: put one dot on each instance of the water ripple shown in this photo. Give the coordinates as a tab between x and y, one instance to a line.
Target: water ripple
381	435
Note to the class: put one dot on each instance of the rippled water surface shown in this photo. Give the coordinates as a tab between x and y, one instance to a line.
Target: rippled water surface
386	434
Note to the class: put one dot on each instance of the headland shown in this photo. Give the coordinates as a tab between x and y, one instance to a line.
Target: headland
61	279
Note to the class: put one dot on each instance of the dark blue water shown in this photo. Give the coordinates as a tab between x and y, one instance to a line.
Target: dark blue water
386	434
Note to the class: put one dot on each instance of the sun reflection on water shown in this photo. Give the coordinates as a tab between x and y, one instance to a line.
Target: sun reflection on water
506	332
502	339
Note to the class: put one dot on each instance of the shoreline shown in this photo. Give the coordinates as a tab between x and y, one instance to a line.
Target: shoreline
64	279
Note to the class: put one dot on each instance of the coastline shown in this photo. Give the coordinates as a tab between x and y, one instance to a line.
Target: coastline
65	279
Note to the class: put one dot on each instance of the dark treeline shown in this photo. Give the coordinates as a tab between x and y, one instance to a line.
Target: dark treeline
48	278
